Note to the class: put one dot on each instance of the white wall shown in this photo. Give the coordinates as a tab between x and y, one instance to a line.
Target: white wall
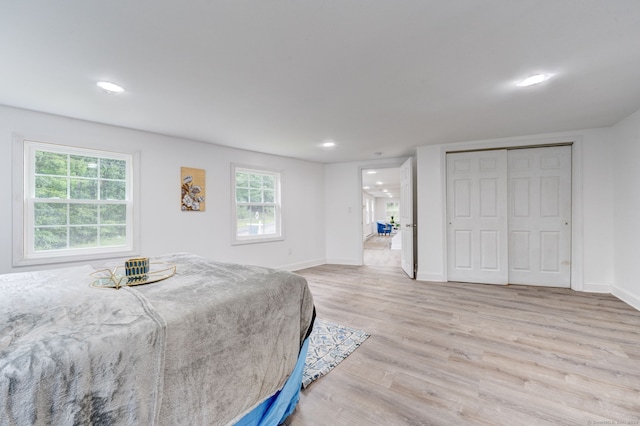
593	211
323	220
626	202
381	208
343	198
430	216
165	228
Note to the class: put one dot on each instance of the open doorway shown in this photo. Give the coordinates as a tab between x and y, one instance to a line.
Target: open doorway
382	244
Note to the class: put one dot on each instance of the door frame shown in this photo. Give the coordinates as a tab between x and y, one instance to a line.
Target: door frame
391	164
577	251
411	268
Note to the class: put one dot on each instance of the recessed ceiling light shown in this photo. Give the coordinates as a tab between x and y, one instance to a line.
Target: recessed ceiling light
534	79
385	190
109	87
365	187
329	144
379	183
371	172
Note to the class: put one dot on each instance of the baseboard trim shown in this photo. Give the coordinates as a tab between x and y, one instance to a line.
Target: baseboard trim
596	288
626	297
426	276
303	265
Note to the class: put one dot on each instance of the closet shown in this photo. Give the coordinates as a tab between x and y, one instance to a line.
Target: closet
509	216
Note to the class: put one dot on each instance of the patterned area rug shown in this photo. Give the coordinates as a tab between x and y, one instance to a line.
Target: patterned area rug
328	345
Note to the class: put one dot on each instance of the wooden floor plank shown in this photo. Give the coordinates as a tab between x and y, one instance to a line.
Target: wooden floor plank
455	353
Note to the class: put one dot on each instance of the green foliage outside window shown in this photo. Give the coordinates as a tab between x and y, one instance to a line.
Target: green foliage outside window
255	203
392	210
80	201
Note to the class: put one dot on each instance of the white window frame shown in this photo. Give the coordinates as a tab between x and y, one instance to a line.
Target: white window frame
367	214
24	253
387	214
277	204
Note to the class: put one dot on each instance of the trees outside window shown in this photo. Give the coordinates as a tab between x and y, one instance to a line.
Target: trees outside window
392	209
256	205
77	201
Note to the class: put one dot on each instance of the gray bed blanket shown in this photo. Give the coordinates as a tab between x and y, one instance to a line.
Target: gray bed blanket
203	347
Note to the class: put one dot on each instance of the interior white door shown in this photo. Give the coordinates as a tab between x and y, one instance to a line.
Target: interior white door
540	216
406	217
477	238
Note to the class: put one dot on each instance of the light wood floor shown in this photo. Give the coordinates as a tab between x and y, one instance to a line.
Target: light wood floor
377	252
451	354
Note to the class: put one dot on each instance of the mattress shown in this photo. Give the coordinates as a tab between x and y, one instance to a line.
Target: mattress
206	346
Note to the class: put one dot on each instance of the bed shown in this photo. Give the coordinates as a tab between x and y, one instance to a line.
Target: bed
215	344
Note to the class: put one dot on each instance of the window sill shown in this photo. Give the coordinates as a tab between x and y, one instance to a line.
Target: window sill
19	261
249	240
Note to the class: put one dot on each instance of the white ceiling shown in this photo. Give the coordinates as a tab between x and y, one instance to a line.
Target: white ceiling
281	76
385	182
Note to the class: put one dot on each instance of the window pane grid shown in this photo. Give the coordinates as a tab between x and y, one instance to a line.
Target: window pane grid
64	225
392	211
257	210
77	201
83	177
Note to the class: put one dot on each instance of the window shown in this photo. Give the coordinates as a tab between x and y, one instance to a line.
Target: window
369	209
256	204
366	210
78	204
392	211
372	211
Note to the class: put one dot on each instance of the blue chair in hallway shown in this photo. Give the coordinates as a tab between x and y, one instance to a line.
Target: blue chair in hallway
384	228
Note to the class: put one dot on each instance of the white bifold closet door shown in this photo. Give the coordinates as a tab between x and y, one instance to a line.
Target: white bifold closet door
540	216
508	214
477	217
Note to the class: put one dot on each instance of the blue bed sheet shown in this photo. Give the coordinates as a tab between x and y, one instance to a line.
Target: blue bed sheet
277	408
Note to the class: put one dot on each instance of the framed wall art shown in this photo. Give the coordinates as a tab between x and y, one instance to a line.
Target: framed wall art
193	194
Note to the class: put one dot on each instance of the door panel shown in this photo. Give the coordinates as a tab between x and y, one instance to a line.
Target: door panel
489	250
488	201
540	208
462	191
476	216
550	196
520	245
549	252
407	227
463	249
521	197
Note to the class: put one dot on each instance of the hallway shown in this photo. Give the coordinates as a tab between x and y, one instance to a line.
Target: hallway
377	252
